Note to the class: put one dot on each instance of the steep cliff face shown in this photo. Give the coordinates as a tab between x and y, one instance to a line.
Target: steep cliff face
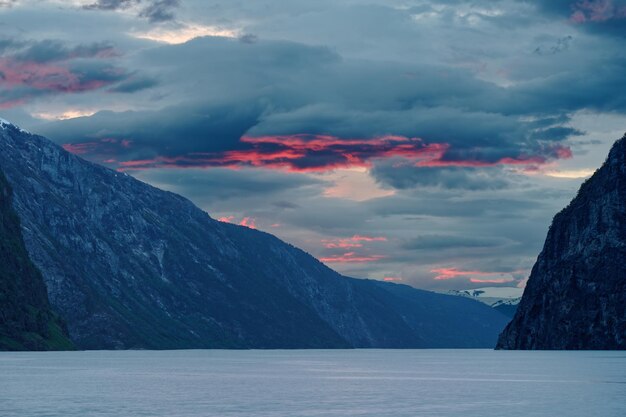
576	294
131	266
26	321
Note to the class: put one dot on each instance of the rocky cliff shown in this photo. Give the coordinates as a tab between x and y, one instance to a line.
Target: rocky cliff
576	294
130	266
26	320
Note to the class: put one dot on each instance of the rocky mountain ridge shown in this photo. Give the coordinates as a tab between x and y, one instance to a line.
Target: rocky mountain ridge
130	266
576	294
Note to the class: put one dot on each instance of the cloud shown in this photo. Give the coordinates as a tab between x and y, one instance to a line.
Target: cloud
296	107
599	16
597	10
182	33
31	69
291	126
160	10
110	4
156	11
356	241
403	175
227	184
482	277
351	257
134	84
447	242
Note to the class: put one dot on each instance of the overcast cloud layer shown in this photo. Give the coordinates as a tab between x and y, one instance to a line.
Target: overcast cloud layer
424	142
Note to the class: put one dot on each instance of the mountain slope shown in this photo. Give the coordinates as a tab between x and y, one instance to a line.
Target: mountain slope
131	266
576	295
26	321
503	299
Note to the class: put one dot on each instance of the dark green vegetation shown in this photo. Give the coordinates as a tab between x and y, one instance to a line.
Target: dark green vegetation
26	321
129	266
576	294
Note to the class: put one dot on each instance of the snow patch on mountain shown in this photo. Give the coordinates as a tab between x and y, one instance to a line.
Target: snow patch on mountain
5	124
492	296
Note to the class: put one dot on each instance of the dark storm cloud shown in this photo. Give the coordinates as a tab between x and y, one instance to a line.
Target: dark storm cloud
160	10
456	205
110	4
226	184
561	45
134	84
154	10
444	242
52	50
405	175
271	89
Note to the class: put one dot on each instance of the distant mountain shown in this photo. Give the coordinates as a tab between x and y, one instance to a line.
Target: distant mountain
130	266
26	320
503	299
576	294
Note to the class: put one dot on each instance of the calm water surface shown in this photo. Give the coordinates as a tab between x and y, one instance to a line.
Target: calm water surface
379	383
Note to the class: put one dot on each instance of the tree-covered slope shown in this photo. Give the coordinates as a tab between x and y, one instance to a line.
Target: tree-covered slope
26	322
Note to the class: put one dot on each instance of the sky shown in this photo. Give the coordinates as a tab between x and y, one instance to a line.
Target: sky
427	143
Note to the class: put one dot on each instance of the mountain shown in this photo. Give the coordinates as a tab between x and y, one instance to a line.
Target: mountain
26	320
576	294
503	299
130	266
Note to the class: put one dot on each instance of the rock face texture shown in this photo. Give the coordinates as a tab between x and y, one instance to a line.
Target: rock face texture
576	294
26	320
129	266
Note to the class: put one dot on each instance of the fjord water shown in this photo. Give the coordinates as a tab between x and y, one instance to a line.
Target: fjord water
313	383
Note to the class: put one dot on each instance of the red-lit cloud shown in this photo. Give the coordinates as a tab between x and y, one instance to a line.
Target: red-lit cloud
22	80
300	153
316	153
392	279
105	150
354	242
351	242
491	281
474	276
246	221
352	257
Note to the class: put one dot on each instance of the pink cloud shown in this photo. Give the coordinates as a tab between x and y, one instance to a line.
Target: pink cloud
248	222
105	150
596	11
491	281
392	279
351	242
320	153
476	276
44	78
359	238
352	257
